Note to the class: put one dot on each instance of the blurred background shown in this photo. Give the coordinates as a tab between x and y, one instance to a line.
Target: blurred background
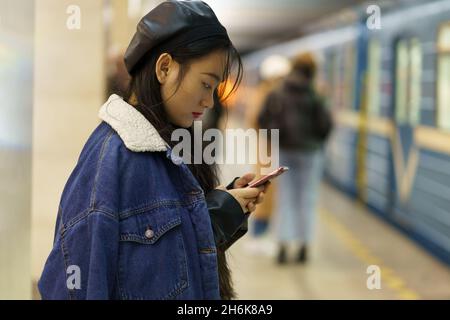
373	203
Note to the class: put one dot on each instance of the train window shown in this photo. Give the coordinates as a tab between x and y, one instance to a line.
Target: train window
408	81
328	79
348	75
415	81
401	80
337	81
332	74
373	77
443	78
339	85
340	73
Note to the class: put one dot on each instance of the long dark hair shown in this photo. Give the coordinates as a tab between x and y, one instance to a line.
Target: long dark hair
145	94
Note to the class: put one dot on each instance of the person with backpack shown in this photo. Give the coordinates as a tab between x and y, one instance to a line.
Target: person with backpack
304	124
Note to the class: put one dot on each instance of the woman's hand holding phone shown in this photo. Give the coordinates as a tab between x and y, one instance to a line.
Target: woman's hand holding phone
247	197
242	183
249	193
261	184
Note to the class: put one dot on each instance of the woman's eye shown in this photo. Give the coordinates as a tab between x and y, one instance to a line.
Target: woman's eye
207	86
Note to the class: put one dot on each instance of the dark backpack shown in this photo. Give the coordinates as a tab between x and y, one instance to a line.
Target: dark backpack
311	119
323	119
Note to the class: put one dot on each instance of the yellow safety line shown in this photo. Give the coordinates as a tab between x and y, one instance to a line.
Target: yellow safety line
388	276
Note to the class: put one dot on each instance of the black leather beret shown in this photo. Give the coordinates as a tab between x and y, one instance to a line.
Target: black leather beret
172	22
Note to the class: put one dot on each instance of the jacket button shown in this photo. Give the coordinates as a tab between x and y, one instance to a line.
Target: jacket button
149	233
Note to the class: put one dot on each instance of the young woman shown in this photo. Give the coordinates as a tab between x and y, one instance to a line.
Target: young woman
134	221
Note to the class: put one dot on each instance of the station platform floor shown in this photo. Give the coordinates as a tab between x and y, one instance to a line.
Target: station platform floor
348	239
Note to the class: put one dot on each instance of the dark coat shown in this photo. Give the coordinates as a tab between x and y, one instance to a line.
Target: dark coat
298	112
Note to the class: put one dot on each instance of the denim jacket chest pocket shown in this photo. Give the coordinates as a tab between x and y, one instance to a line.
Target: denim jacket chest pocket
152	257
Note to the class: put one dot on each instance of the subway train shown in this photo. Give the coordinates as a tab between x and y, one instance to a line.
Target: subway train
388	87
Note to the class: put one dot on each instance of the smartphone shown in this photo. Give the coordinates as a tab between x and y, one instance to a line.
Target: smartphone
268	177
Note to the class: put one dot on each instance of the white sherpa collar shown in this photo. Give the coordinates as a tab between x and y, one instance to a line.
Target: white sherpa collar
134	129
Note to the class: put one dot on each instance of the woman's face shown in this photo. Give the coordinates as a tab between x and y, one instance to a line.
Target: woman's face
195	93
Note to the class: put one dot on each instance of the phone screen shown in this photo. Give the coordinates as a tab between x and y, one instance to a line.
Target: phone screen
268	177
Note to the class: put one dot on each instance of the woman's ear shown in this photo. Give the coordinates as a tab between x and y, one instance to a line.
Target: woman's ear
163	67
133	99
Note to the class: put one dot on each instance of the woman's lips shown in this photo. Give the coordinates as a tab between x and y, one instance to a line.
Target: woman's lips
197	114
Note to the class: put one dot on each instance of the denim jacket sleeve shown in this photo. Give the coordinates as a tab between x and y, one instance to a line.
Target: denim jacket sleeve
103	248
83	262
95	253
228	220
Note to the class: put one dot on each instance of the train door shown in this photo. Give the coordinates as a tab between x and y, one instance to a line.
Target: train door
407	95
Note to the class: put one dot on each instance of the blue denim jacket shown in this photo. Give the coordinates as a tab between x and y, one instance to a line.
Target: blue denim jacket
133	222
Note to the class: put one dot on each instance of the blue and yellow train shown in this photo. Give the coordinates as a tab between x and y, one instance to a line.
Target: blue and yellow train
389	89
